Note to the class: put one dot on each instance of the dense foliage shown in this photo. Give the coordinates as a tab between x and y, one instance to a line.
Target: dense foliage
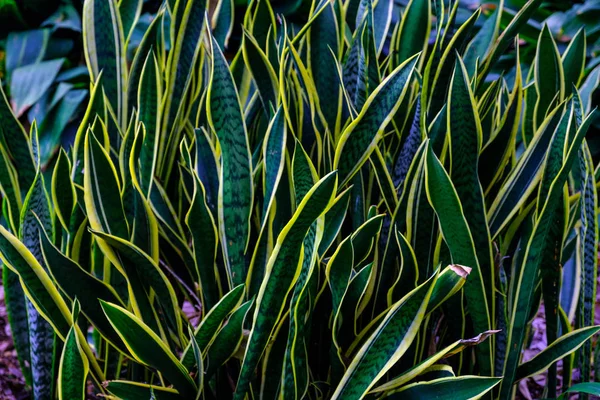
357	205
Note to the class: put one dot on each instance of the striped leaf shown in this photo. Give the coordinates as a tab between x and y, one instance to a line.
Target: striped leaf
280	277
235	189
387	344
104	48
361	136
147	348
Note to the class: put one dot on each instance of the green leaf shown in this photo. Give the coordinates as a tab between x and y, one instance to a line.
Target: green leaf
129	11
585	387
236	189
361	136
188	28
463	387
205	240
64	197
16	141
563	346
414	30
149	97
227	340
223	22
104	49
324	46
73	370
386	344
147	348
524	289
549	75
573	60
465	132
103	204
212	322
79	284
444	200
281	273
135	390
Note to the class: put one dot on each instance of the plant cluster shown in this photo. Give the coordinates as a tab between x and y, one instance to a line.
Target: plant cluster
316	218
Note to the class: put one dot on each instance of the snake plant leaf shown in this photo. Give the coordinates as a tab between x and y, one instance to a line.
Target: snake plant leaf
274	158
41	334
227	340
531	261
138	264
16	142
147	348
354	76
496	152
382	18
79	284
104	48
449	282
563	346
456	234
324	47
339	270
182	58
36	282
386	344
414	30
16	309
223	22
592	388
463	387
589	242
361	136
129	11
205	241
280	277
235	189
549	75
465	132
262	71
206	168
149	97
9	187
409	270
211	323
295	376
507	37
365	236
420	368
95	109
384	180
436	89
103	203
573	60
64	197
334	218
409	149
523	178
483	40
135	390
149	41
73	369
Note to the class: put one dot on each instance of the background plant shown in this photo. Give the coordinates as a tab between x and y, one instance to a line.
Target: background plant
344	222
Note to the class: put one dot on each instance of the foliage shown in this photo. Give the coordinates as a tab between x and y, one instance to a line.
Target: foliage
345	224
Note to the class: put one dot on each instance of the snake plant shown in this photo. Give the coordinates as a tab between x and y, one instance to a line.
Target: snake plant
344	208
